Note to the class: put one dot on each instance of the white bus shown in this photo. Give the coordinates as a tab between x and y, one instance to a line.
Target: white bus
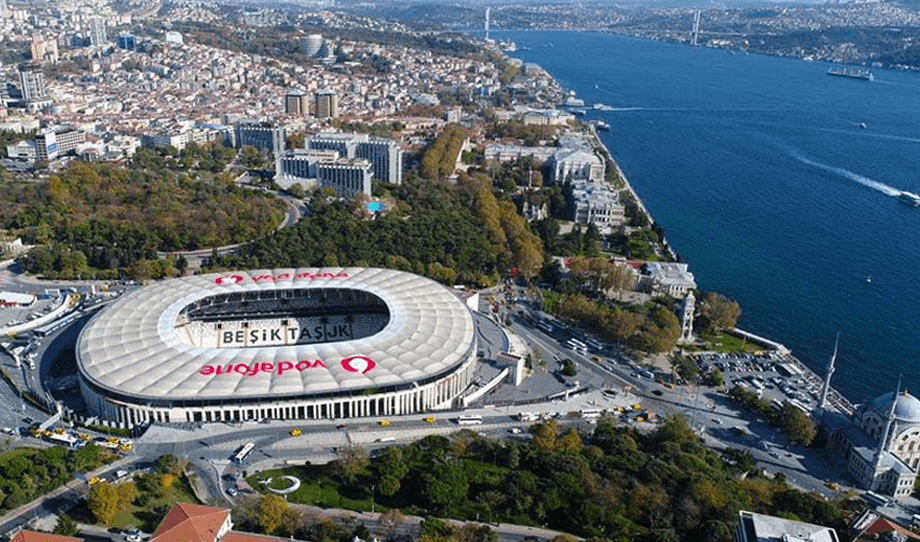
529	416
545	327
469	419
240	455
577	346
591	413
595	345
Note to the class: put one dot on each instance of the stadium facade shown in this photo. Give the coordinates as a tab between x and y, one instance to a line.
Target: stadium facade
278	344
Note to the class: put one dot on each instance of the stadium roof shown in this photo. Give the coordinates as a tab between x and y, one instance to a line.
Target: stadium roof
133	349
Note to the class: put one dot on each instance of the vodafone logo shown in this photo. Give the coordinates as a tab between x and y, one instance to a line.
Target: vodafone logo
353	364
232	279
236	279
358	364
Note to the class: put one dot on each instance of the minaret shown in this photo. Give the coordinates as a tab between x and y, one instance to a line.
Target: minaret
827	379
883	441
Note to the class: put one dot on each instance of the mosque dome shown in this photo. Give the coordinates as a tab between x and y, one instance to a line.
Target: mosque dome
907	408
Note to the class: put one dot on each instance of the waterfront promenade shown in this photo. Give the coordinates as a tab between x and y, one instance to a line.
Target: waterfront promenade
835	398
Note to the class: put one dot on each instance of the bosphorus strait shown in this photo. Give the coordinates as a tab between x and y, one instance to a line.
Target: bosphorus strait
778	184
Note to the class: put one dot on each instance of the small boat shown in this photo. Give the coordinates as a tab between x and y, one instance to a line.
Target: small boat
862	125
909	198
869	279
601	125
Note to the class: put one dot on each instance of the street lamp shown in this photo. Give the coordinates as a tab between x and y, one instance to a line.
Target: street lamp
373	498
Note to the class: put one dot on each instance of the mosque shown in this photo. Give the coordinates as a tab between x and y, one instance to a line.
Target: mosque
881	442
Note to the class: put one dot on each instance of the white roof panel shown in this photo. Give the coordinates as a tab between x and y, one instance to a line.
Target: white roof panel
132	347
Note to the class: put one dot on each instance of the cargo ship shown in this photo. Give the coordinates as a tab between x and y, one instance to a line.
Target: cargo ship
853	73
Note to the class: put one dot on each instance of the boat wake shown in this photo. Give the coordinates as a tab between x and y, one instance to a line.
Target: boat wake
847	174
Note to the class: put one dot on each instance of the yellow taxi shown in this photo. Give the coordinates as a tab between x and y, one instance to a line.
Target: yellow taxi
384	423
637	406
429	419
296	432
94	480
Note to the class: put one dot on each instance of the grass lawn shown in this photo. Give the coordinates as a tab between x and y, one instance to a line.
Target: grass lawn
18	452
723	342
317	488
144	518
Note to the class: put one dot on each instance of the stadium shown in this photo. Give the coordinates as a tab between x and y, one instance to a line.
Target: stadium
277	344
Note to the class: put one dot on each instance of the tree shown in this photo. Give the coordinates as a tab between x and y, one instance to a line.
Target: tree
660	332
686	368
65	526
271	511
104	502
350	461
447	484
389	485
434	530
389	523
475	532
715	379
127	492
568	368
85	458
569	442
797	425
621	325
297	191
544	435
168	463
717	312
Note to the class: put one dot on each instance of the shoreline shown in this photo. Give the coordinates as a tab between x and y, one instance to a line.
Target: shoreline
835	398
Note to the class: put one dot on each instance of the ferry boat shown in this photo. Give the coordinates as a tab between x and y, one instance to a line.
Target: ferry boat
601	125
853	73
910	198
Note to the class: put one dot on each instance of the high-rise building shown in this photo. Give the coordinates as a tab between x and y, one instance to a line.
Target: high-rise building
32	84
259	134
97	35
324	169
384	155
347	176
295	103
126	41
327	104
50	144
38	48
4	9
312	45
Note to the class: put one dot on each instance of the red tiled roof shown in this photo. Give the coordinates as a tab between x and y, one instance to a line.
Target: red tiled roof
32	536
191	523
882	525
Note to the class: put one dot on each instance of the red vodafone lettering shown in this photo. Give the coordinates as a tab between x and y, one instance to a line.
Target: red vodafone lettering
236	279
232	279
353	364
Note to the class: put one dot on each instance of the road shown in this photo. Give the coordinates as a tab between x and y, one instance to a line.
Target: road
209	448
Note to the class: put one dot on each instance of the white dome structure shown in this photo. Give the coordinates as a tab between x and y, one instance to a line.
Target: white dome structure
282	343
906	410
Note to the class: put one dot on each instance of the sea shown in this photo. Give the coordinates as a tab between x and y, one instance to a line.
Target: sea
776	182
